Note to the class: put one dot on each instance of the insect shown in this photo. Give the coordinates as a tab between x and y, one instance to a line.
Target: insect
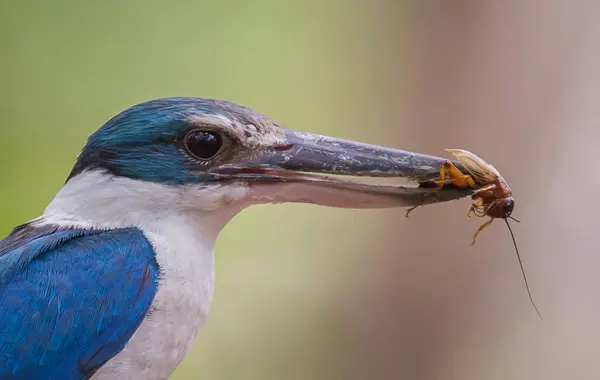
492	195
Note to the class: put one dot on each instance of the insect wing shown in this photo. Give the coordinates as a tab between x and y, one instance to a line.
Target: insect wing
478	168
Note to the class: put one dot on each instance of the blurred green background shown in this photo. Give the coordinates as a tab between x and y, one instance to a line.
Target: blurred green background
312	293
67	67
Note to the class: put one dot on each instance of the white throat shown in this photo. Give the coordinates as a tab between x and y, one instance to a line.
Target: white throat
182	223
99	200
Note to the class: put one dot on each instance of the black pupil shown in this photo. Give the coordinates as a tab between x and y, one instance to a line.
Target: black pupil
204	144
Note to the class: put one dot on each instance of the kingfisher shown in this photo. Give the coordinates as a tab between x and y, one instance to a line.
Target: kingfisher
115	279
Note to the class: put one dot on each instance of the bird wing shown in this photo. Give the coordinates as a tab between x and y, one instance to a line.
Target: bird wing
71	299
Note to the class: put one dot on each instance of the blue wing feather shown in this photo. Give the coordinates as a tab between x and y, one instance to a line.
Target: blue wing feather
71	299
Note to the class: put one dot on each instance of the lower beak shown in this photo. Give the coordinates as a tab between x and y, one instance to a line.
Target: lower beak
317	169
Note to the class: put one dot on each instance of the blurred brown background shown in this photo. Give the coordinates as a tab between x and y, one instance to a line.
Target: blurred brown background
311	293
516	82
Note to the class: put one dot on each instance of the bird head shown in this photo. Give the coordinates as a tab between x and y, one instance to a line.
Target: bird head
220	153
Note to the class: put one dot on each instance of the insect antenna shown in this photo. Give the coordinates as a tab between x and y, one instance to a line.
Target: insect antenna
522	269
516	220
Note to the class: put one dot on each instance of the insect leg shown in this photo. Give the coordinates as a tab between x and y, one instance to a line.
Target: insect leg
487	188
459	179
483	226
419	205
476	208
456	177
411	210
481	211
443	181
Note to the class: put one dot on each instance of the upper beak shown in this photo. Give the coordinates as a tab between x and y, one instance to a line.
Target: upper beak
324	170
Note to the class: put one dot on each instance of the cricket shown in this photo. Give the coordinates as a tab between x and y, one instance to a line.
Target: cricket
492	196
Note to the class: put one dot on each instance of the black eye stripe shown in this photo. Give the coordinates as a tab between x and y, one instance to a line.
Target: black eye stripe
203	144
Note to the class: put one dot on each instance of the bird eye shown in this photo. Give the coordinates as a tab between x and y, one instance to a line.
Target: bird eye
203	144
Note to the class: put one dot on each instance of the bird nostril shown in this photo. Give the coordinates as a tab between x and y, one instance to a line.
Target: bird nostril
283	147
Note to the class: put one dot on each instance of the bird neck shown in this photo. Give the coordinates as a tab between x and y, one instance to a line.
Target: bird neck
97	200
182	224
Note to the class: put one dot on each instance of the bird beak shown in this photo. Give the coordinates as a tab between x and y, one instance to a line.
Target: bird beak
310	168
